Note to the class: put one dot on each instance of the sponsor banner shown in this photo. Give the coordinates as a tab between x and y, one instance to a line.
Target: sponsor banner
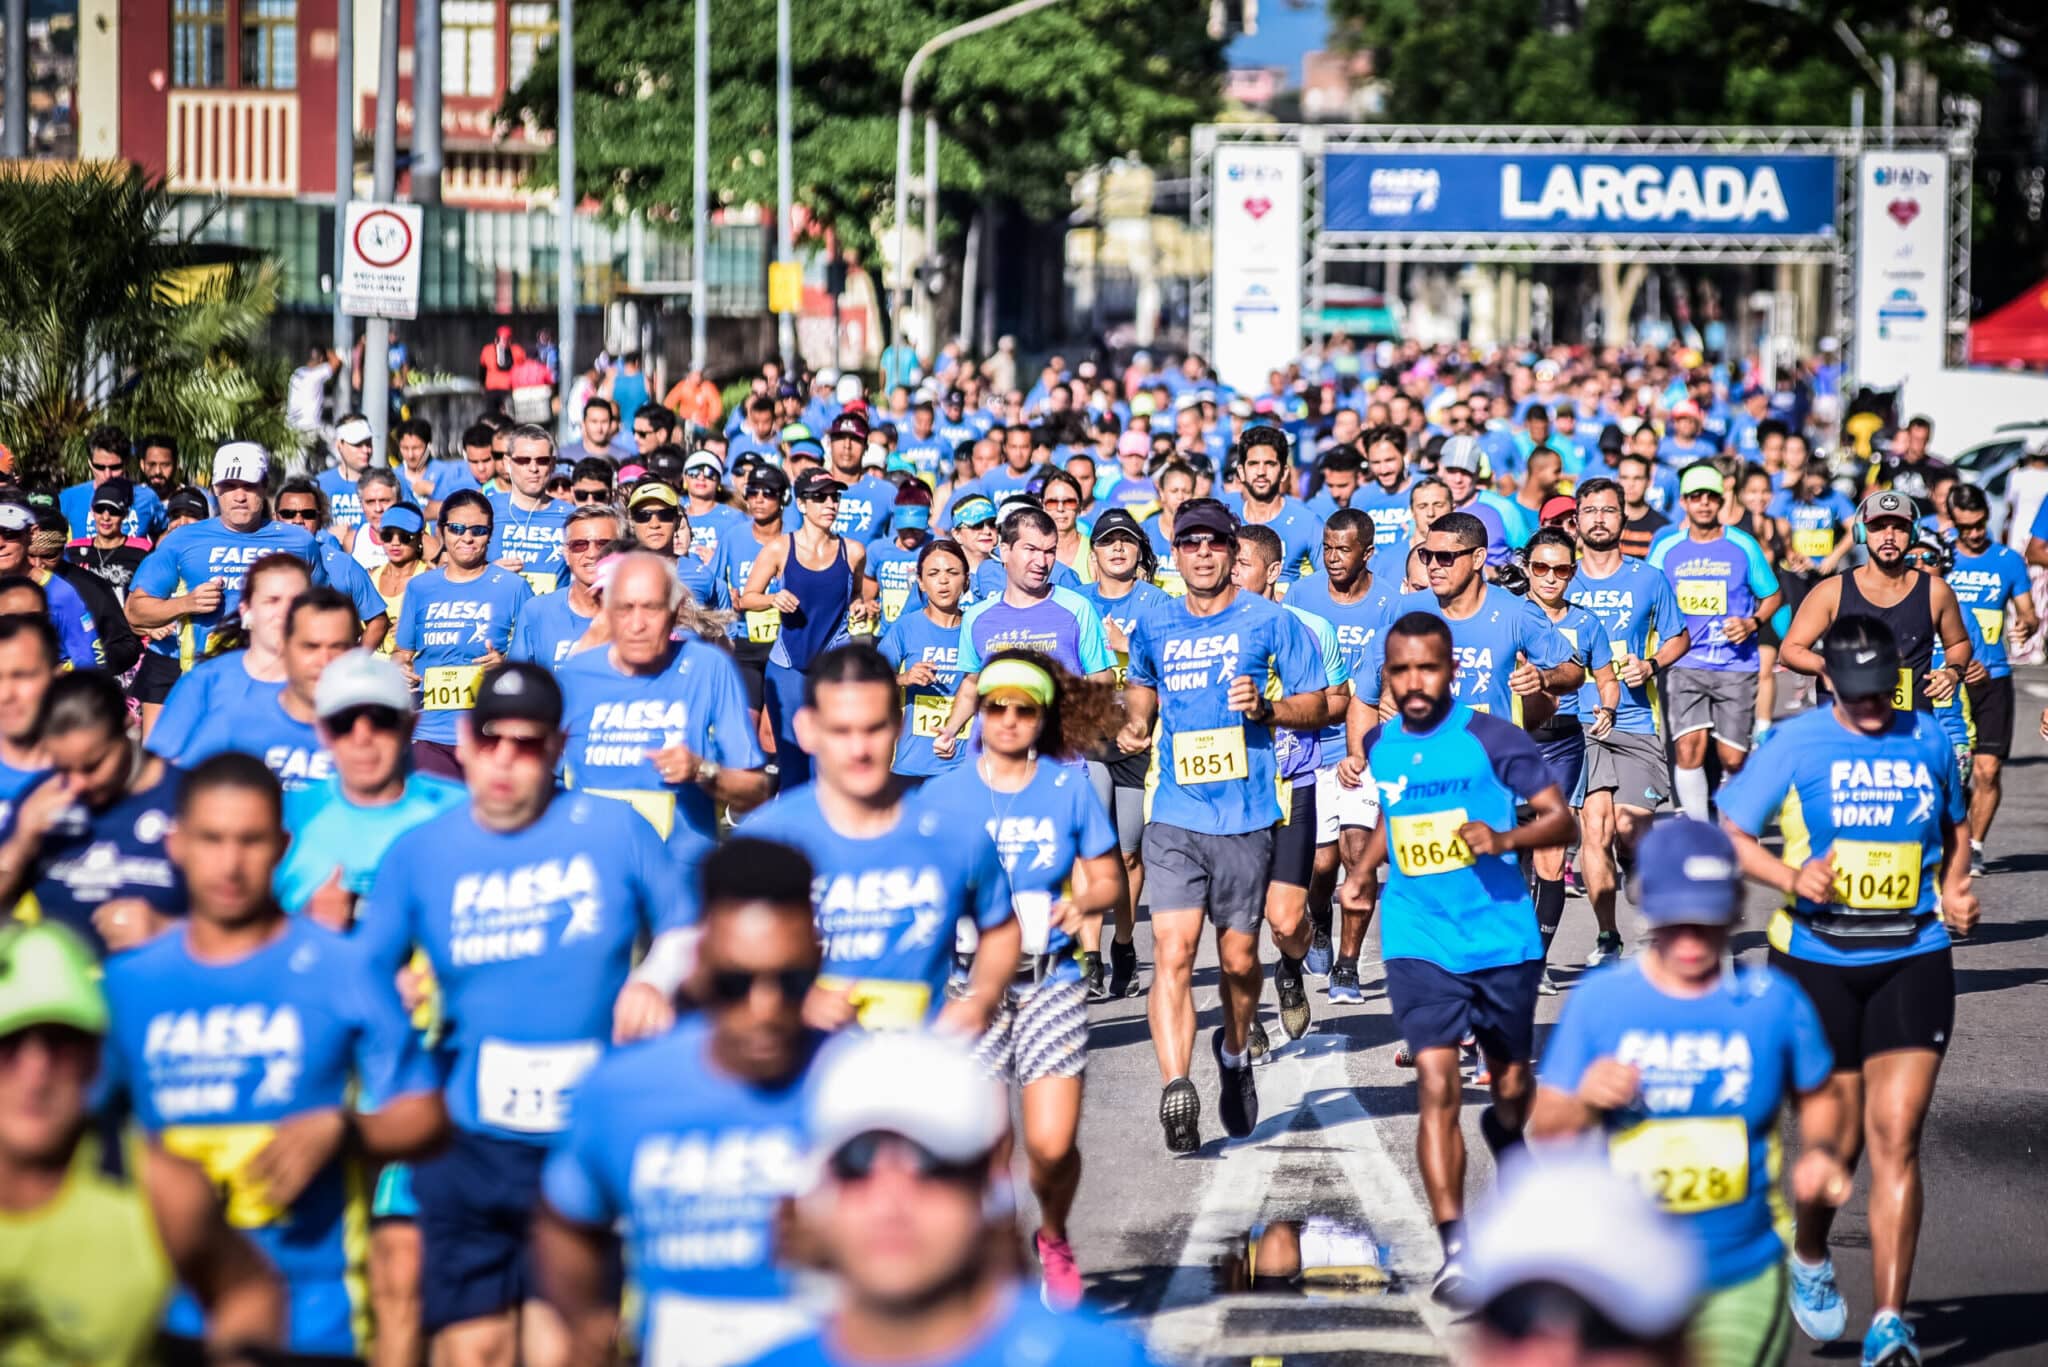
1788	197
1901	266
1255	267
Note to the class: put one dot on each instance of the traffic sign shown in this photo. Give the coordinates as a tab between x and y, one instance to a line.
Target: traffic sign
785	286
380	264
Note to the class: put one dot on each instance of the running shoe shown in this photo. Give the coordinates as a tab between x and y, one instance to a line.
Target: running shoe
1180	1112
1403	1058
1060	1291
1256	1044
1482	1074
1976	859
1091	974
1293	994
1239	1102
1123	969
1573	886
1890	1343
1545	987
1343	986
1451	1284
1320	956
1608	946
1817	1302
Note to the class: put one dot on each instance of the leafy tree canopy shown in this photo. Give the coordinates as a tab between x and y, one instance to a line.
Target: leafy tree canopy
1021	109
108	316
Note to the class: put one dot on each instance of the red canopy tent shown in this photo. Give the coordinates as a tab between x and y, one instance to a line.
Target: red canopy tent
2016	334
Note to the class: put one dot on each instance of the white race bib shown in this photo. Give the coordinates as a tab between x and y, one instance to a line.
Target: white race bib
526	1087
702	1331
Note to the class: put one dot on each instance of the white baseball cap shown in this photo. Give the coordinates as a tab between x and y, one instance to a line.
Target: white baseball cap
848	388
356	432
925	1087
875	457
703	460
241	462
360	678
1575	1222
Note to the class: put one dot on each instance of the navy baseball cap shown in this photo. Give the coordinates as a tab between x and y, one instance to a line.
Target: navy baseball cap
1687	875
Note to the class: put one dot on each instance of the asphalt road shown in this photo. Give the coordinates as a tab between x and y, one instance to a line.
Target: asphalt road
1336	1142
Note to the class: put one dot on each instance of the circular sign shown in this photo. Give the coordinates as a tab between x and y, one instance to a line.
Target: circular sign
383	239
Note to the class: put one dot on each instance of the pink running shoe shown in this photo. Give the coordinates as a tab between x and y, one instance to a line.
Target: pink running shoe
1061	1290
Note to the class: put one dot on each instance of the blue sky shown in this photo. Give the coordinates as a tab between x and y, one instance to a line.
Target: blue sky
1285	32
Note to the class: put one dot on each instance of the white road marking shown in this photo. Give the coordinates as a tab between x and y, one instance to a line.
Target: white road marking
1190	1321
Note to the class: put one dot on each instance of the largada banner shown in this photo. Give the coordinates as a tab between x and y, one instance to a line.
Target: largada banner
1437	191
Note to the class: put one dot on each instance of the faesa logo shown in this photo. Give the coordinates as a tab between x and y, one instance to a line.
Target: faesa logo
1404	190
1894	176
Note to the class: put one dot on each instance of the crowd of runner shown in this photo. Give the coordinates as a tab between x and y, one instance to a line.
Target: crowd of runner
536	902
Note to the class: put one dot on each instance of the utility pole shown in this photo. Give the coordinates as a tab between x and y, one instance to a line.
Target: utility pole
917	60
931	235
17	79
426	102
700	188
377	336
785	193
565	210
344	183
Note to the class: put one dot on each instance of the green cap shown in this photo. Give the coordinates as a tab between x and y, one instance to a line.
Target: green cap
48	977
1701	477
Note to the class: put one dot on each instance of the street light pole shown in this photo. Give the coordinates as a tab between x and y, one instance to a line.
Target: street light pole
565	210
17	79
917	61
426	102
377	336
785	247
700	190
344	184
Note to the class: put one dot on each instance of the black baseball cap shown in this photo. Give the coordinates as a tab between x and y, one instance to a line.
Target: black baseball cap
188	503
666	466
1611	439
816	484
1204	515
520	691
117	495
1861	656
766	479
1118	522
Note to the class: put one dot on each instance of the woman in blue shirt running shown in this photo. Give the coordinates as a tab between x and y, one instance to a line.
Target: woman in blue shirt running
924	646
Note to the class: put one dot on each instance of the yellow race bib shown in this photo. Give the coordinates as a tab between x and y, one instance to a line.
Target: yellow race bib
1902	691
1703	597
764	625
928	713
1428	842
1210	756
223	1152
1877	875
541	583
1990	624
1815	544
1687	1165
893	601
655	804
450	688
883	1004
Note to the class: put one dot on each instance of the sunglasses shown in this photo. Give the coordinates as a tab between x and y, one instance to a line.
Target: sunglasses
656	515
1976	526
1061	502
529	460
1026	711
730	987
527	747
591	495
643	431
381	718
466	528
1550	571
397	534
829	496
558	485
583	545
114	469
1446	558
1203	542
857	1158
299	514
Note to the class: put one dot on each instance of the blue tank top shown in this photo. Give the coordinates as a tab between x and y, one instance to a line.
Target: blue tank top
825	595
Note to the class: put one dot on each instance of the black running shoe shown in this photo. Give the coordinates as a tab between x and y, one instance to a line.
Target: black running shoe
1238	1103
1123	969
1180	1112
1091	974
1293	995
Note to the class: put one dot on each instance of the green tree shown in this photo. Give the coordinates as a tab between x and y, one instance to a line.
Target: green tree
1021	110
107	315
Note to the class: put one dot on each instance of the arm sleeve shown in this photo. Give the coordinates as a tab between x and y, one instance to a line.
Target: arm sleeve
1763	580
1599	653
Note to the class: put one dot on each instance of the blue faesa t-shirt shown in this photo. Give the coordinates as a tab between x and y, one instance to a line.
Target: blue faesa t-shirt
546	630
1717	1072
1639	612
1298	754
210	689
1217	770
1392	513
1358	627
90	857
1040	831
530	934
1487	646
1583	632
534	535
334	836
288	747
693	1176
1026	1332
1301	538
448	627
710	529
914	639
887	907
1713	581
346	574
1983	585
894	570
1442	903
201	551
730	567
694	699
865	507
1063	625
1882	805
215	1056
145	514
345	499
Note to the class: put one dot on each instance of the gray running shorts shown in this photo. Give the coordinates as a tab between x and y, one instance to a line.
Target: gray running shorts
1632	765
1126	806
1224	875
1722	701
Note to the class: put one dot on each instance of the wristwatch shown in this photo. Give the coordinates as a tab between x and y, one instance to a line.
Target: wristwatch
707	772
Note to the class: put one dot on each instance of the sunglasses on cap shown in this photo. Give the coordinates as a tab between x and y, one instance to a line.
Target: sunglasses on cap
730	987
380	717
656	514
857	1159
